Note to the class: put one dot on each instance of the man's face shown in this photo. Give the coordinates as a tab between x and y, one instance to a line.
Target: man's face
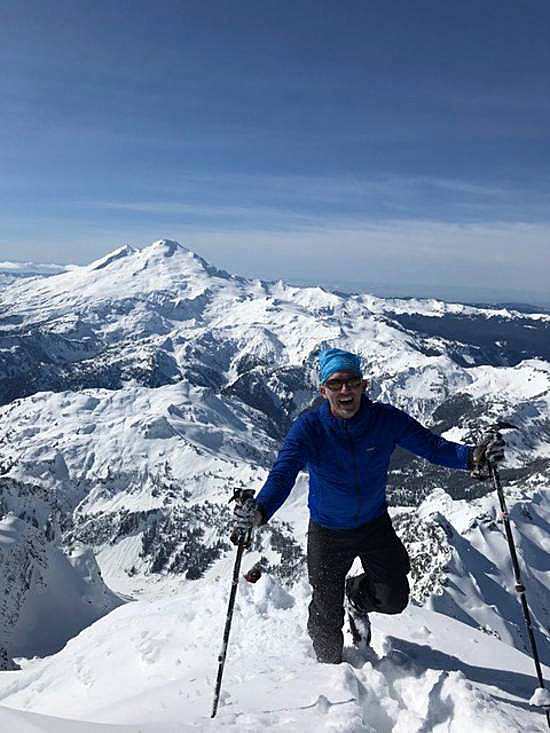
345	401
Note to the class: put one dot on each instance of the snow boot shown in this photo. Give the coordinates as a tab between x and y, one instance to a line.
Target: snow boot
359	622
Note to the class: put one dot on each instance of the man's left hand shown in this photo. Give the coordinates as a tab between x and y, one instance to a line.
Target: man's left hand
489	451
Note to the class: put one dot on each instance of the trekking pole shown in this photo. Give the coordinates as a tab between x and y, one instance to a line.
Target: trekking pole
520	588
244	541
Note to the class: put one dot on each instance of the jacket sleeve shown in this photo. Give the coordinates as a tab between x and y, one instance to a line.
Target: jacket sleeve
291	459
421	441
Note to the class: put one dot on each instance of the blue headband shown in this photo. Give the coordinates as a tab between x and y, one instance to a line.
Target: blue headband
336	360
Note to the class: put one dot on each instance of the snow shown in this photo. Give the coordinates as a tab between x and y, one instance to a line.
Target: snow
30	268
541	697
433	307
58	597
459	663
426	671
479	586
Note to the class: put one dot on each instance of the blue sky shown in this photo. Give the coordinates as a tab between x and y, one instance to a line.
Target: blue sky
398	143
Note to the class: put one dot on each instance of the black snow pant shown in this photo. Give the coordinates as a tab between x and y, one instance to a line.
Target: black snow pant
383	587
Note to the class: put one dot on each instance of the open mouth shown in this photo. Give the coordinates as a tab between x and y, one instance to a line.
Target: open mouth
345	401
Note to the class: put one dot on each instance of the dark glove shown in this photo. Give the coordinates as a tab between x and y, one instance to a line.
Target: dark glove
246	517
489	451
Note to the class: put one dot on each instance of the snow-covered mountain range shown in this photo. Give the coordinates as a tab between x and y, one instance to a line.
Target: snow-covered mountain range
137	392
10	271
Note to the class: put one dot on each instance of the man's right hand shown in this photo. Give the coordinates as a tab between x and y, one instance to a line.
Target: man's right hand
246	517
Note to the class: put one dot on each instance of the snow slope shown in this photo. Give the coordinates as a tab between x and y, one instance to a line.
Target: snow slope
427	672
47	597
478	585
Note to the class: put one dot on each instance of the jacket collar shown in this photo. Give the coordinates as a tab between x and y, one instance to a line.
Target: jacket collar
356	425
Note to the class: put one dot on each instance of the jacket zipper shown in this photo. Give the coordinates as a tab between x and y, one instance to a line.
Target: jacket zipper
356	475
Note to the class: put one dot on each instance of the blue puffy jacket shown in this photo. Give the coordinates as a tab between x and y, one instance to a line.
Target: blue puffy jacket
348	461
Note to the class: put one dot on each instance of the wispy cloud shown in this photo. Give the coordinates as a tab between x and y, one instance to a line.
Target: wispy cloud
310	202
203	210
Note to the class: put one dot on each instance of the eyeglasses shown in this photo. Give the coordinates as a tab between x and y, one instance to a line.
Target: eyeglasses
335	385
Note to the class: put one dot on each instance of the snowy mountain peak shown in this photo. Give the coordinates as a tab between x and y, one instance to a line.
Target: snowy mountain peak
127	273
107	260
166	247
166	256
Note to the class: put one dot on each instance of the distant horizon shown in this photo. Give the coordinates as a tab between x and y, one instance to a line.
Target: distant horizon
424	291
473	295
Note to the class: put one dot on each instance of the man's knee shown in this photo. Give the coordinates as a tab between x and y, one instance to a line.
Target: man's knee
394	596
389	596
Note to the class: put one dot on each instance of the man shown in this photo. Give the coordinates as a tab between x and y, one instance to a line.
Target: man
346	444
